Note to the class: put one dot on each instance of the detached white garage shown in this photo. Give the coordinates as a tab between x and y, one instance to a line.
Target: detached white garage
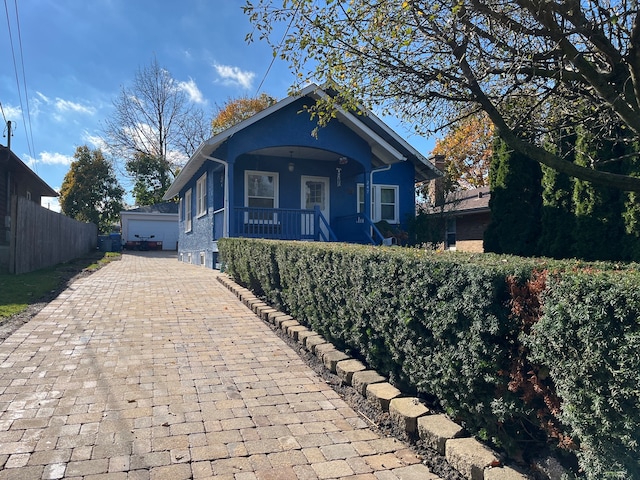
159	221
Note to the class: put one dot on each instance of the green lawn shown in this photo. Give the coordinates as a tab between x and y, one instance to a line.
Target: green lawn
18	291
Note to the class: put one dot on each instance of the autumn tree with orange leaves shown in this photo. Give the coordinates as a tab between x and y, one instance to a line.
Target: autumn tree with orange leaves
237	110
466	150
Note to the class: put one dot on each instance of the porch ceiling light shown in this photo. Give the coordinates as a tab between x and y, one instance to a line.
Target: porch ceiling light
291	166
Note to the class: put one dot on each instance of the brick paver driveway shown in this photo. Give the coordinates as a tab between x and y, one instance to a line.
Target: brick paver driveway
150	369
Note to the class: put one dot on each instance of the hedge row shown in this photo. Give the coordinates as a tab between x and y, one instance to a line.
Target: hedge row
523	352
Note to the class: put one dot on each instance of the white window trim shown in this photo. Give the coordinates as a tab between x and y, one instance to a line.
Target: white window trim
376	205
276	192
201	196
187	211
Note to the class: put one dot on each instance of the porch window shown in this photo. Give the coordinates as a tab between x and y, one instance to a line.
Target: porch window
201	195
388	205
384	202
261	191
187	211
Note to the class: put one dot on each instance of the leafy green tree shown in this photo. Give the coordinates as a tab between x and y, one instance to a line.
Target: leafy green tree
90	191
531	66
152	178
236	110
516	203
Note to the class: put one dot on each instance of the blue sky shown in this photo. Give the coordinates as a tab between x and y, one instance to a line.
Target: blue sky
72	58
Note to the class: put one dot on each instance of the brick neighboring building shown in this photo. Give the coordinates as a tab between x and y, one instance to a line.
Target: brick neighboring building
466	215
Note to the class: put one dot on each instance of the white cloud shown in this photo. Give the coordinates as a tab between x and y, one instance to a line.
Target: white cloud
190	87
43	97
143	136
62	105
68	106
48	158
11	112
29	161
52	203
95	141
234	76
177	158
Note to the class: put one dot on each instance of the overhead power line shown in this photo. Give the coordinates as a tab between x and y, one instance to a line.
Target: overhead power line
24	78
275	55
15	69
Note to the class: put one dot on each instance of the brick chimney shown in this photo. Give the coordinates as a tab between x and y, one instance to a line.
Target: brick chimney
436	188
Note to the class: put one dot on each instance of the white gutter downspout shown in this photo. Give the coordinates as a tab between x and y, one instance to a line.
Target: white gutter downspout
377	170
225	228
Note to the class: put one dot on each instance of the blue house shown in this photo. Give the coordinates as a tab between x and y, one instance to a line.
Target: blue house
271	177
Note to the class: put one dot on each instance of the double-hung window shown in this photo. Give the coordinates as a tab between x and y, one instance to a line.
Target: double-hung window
261	192
384	202
201	195
187	211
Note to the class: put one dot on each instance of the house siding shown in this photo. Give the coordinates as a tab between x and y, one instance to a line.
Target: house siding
401	174
470	232
191	245
294	127
4	208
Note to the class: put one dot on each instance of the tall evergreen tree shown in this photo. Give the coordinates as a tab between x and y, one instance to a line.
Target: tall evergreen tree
557	219
599	225
516	201
631	219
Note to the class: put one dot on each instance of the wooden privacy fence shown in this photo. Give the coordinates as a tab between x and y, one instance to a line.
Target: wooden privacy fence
41	238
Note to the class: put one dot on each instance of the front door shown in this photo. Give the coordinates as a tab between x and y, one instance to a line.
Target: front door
315	192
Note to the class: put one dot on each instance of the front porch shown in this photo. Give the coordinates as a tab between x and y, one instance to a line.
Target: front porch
293	224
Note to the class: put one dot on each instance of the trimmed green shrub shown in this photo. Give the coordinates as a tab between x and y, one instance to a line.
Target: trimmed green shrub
589	339
496	339
253	265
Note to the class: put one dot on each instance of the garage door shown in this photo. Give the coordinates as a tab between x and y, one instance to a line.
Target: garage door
165	232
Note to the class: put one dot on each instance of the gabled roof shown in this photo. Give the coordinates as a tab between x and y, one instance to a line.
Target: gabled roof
386	145
164	207
464	202
14	164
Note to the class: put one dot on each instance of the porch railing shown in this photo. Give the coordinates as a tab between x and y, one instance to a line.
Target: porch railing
218	223
281	224
365	225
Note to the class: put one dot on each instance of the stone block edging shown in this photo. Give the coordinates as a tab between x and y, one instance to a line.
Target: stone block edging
470	457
